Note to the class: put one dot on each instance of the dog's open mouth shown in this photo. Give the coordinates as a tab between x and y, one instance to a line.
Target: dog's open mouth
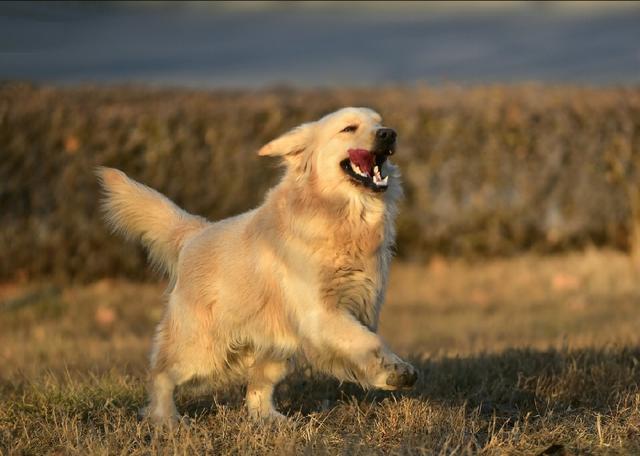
365	168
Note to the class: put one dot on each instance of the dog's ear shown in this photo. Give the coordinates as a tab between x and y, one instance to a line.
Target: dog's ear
291	143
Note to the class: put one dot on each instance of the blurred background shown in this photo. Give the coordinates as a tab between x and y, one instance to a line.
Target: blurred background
519	121
259	43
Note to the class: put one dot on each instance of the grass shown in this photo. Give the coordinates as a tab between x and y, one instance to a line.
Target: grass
517	356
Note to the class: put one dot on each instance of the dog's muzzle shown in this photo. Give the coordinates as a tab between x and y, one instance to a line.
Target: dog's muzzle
364	167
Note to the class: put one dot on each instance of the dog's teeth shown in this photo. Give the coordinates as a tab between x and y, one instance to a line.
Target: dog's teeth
380	182
356	168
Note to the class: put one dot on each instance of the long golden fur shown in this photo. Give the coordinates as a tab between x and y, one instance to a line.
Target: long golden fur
301	276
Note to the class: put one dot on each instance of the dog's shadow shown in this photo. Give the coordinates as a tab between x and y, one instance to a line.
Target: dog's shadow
508	385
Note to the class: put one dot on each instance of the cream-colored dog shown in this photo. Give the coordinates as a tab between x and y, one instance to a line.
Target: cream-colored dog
303	276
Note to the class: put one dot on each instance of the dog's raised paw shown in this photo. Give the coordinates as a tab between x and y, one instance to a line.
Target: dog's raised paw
402	376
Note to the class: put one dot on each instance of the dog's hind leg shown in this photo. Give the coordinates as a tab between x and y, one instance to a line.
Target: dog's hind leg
173	361
264	375
162	408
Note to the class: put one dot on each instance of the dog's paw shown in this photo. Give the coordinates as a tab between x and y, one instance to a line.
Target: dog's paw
276	417
270	415
401	375
158	420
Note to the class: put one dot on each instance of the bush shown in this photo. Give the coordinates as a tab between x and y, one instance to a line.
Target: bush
488	170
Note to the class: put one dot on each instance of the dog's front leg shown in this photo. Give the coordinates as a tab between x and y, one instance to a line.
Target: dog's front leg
363	353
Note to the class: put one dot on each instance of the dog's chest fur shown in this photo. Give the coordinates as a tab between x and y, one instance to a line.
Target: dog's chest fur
353	279
345	246
355	288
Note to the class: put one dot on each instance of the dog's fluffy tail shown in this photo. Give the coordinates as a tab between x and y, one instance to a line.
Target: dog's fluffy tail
140	212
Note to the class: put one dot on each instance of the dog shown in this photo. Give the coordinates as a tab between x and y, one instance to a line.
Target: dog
301	277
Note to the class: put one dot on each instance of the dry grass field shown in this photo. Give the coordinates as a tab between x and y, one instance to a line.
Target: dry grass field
528	355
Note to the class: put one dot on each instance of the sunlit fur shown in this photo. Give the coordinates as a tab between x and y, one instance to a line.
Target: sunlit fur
302	276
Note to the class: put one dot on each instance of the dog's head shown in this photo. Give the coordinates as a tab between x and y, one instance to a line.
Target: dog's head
347	149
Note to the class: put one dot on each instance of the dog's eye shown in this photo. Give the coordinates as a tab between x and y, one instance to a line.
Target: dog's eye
349	129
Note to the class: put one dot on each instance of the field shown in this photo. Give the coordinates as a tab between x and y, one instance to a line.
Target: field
517	356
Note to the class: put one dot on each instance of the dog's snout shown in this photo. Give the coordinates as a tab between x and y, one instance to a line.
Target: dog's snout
386	134
385	141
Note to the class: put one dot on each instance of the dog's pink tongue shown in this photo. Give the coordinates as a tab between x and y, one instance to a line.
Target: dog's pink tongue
362	158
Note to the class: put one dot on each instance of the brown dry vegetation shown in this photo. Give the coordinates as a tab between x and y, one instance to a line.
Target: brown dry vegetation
488	170
515	355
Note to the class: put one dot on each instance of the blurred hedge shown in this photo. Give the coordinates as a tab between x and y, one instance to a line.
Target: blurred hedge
488	170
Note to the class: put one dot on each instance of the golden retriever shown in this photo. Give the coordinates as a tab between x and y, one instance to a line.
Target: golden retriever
302	276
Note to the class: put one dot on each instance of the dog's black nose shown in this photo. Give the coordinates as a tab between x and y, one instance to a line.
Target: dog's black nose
385	143
387	135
